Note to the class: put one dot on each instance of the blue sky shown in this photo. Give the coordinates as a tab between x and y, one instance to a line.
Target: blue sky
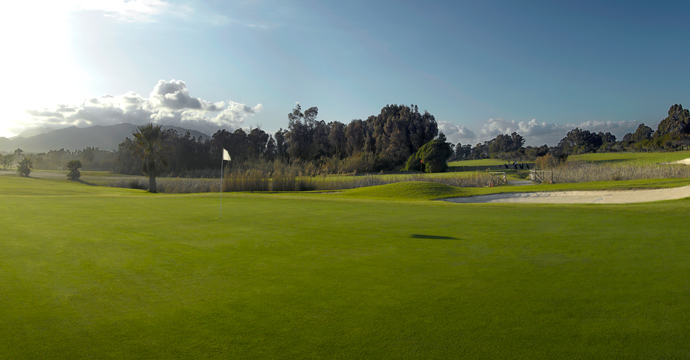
480	67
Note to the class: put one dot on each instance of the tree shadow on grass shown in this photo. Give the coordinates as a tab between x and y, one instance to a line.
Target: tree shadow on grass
432	237
85	182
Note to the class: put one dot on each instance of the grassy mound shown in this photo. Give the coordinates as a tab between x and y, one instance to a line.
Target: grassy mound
410	190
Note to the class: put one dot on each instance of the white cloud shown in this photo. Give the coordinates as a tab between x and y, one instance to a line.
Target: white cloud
45	113
237	111
456	134
534	132
618	128
168	104
175	95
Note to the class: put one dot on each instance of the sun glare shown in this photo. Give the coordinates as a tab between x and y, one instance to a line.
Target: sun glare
39	69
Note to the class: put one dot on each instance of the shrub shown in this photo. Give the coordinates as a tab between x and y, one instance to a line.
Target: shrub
431	157
549	161
74	166
414	164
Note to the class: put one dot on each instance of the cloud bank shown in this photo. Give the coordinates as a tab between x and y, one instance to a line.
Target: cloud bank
168	104
455	133
535	133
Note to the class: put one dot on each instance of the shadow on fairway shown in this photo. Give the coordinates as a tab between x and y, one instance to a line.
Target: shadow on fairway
85	182
433	237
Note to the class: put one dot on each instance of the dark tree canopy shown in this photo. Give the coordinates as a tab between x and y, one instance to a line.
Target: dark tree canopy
642	133
389	137
677	123
505	144
337	140
580	141
463	152
301	133
432	157
673	131
397	132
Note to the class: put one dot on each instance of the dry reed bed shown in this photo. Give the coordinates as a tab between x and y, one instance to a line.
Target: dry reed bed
290	180
292	177
588	172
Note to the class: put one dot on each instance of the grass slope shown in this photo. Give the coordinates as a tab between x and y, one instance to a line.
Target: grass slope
89	272
634	157
411	190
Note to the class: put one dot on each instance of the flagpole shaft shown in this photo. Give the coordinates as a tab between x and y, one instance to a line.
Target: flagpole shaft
221	188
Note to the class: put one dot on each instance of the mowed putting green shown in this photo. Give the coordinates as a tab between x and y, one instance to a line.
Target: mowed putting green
92	272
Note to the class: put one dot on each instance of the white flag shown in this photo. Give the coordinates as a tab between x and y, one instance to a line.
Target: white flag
226	155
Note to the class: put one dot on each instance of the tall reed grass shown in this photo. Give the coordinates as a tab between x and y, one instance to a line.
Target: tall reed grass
588	172
291	177
171	185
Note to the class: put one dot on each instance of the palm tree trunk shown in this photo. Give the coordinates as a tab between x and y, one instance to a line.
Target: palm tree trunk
152	184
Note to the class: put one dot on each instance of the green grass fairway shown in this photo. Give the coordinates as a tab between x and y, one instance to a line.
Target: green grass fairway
615	157
480	162
104	273
634	157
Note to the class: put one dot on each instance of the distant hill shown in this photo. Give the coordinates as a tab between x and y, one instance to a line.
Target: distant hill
74	138
34	131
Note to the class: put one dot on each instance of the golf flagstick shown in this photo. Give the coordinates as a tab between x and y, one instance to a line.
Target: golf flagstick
226	156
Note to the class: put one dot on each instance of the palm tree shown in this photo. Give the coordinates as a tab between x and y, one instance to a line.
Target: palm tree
152	147
24	166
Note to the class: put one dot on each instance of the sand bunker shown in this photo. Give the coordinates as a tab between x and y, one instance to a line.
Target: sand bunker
684	161
580	197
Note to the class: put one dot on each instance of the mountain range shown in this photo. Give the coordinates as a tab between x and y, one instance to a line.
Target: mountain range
74	138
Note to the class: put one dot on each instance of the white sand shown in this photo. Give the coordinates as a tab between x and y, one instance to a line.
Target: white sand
583	197
580	197
684	161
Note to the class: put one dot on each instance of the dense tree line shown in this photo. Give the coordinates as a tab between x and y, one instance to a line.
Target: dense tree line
390	140
381	142
90	158
672	134
503	146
